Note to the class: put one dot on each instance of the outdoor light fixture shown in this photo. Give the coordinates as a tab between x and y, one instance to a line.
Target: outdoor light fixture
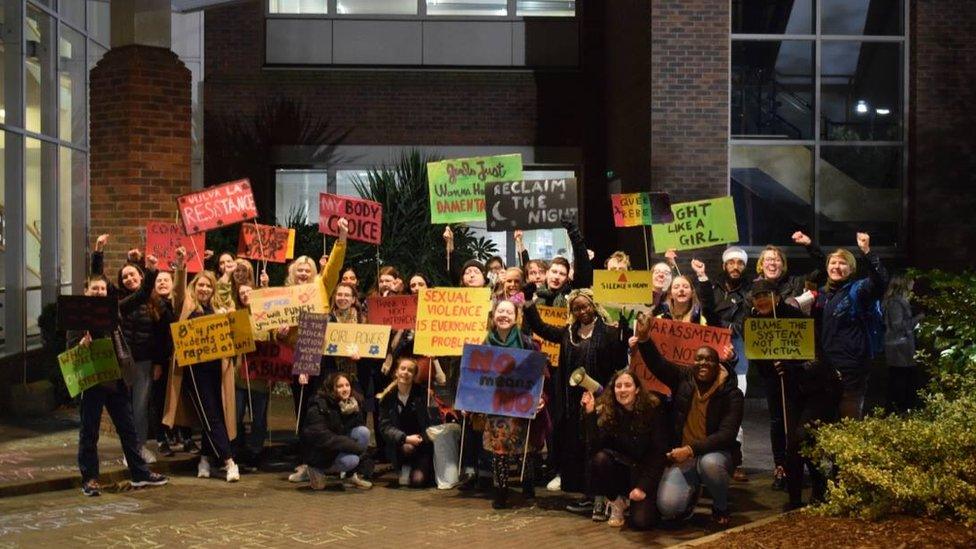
862	107
882	112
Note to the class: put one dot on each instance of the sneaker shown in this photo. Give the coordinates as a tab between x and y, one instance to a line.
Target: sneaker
166	450
203	468
316	478
617	508
91	488
404	478
154	479
582	507
191	447
721	519
739	475
555	485
233	473
147	455
300	474
600	509
359	482
779	478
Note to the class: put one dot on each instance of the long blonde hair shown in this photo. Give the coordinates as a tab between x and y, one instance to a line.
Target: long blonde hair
290	279
191	294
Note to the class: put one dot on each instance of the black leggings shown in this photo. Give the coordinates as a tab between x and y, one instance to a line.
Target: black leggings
612	478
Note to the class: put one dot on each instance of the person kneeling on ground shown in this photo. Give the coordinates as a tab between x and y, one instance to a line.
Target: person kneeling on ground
630	428
404	420
335	436
707	414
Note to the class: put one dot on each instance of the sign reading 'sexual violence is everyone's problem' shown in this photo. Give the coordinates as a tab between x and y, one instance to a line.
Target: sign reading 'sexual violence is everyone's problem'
457	186
447	318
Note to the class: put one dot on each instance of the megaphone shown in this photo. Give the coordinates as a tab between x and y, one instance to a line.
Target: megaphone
580	378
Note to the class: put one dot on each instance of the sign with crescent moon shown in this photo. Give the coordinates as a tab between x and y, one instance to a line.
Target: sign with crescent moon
533	204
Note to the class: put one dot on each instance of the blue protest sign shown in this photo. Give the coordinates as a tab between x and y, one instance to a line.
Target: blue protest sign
500	381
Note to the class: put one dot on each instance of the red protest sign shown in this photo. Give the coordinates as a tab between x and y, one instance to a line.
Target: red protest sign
162	240
217	206
397	311
266	242
365	217
678	341
270	361
647	380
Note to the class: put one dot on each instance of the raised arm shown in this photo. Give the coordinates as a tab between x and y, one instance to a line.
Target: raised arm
669	374
877	281
333	266
583	267
546	331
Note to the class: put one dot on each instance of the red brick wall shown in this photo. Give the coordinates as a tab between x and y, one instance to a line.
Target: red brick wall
140	143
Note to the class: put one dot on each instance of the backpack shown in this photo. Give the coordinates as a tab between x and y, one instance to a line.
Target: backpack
871	317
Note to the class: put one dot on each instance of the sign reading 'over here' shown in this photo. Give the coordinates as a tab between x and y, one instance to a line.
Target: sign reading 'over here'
538	204
447	318
457	187
217	206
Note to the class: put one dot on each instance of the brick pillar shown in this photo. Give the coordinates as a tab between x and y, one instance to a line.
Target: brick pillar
140	144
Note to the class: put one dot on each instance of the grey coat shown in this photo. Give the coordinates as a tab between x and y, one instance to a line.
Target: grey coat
899	333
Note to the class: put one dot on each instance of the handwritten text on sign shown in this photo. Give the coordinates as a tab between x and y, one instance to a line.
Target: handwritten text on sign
538	204
457	187
83	312
162	240
217	206
212	337
697	225
270	361
447	318
679	341
273	308
266	242
84	367
780	339
623	286
557	316
308	344
365	340
631	209
500	381
396	311
365	217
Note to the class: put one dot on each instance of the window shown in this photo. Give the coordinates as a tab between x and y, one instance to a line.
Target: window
39	70
772	89
467	7
98	21
72	82
346	181
380	7
868	17
301	7
861	91
765	17
297	194
545	8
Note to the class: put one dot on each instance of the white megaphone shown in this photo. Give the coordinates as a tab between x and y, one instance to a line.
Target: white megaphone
579	377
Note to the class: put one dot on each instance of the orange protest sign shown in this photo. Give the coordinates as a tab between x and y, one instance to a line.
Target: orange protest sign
678	341
266	242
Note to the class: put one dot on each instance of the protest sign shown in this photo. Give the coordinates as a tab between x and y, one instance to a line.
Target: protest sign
396	311
537	204
557	316
84	367
500	380
271	361
637	209
623	286
780	339
266	243
365	217
447	318
273	308
457	187
679	341
212	337
697	225
82	312
162	240
217	206
365	340
309	343
648	381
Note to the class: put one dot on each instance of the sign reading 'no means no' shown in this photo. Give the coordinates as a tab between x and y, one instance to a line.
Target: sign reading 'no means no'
537	204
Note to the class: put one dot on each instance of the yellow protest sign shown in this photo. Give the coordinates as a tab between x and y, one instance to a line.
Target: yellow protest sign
622	286
365	340
447	318
780	339
212	337
273	308
557	316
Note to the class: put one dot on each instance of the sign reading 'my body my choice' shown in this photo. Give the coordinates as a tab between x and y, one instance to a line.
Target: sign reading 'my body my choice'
457	187
697	225
540	204
217	206
365	217
500	381
447	318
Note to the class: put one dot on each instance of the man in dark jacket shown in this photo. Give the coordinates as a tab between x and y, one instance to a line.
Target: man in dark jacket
707	414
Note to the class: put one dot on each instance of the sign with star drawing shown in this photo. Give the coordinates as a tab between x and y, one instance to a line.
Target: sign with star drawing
217	206
364	340
535	204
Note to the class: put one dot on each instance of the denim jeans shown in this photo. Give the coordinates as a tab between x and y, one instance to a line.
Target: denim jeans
344	463
679	486
116	401
141	391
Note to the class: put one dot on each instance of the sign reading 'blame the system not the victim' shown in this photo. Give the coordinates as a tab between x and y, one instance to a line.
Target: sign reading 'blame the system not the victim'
457	186
500	381
541	204
780	339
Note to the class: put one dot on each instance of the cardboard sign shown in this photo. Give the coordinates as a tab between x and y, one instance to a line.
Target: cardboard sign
82	312
557	316
309	343
84	367
500	381
217	206
647	380
447	318
457	187
365	340
273	308
698	225
396	311
637	209
276	244
537	204
162	240
780	339
679	341
212	337
270	361
365	217
623	286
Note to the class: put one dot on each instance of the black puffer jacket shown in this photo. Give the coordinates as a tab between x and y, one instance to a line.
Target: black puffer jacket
394	418
325	432
723	415
731	304
639	442
135	319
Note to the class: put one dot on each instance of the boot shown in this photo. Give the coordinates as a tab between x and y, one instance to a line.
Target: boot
501	499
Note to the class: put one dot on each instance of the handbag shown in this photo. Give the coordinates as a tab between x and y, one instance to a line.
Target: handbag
123	354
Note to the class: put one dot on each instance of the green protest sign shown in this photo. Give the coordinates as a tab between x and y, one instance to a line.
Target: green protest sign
457	186
84	367
697	225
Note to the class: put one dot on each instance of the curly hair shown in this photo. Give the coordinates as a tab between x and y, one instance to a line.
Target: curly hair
611	413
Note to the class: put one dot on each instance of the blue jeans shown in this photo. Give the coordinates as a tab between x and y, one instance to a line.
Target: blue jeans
116	401
347	462
252	442
141	391
679	485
